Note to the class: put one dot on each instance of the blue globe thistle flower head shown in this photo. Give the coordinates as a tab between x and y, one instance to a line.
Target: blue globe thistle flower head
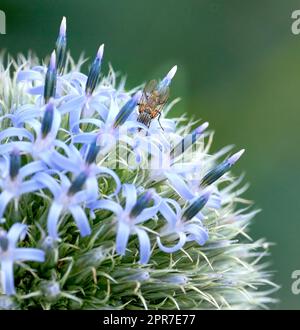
120	212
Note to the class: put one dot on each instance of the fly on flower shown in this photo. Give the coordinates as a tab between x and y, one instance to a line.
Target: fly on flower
152	102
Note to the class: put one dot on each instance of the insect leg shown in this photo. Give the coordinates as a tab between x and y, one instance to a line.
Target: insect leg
158	119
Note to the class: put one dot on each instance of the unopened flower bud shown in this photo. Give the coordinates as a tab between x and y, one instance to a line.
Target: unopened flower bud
50	79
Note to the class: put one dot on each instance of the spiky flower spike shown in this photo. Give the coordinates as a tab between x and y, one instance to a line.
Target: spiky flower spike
61	46
116	214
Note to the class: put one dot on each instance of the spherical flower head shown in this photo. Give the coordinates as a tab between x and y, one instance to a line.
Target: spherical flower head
114	208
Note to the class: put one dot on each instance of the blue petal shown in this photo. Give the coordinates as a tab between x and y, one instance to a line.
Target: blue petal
123	233
28	114
66	148
93	121
129	192
27	109
145	245
81	220
19	145
56	123
92	188
74	153
168	213
74	118
28	254
74	105
35	124
176	247
197	233
16	132
80	197
130	124
100	108
76	76
31	168
38	90
4	164
16	232
149	212
64	163
53	217
64	180
46	156
48	182
7	277
30	186
28	75
113	111
106	141
179	185
84	138
5	198
107	205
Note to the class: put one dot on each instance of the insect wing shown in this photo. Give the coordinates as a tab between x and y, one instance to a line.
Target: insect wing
164	95
150	88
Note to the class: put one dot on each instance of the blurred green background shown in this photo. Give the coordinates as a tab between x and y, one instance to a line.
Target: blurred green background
239	68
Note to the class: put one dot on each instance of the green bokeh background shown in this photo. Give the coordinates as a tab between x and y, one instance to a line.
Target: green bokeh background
239	68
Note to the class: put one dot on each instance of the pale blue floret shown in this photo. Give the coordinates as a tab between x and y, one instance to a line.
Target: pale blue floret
26	114
9	254
15	184
108	131
129	218
37	76
78	162
183	225
68	198
44	143
190	189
